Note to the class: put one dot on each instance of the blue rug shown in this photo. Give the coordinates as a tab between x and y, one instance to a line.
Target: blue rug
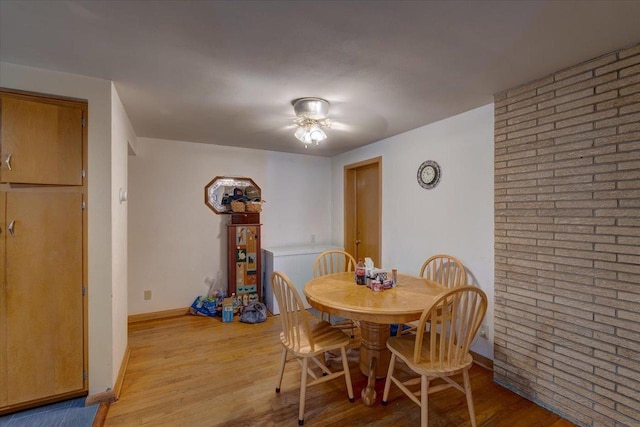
69	413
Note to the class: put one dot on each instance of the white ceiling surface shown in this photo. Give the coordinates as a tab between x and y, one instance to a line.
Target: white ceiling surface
225	72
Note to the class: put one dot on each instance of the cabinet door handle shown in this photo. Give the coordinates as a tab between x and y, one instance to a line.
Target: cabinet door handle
11	227
8	161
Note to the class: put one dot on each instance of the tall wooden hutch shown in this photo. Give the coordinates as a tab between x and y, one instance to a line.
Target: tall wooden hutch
244	255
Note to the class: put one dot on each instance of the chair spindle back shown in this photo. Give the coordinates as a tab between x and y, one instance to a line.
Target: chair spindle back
455	317
444	269
293	316
333	261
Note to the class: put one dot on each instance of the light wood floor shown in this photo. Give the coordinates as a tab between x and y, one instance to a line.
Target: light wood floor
197	371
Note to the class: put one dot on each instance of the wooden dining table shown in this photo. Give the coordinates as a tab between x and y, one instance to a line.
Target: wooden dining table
339	295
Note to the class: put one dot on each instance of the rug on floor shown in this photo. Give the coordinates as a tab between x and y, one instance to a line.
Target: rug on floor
69	413
318	315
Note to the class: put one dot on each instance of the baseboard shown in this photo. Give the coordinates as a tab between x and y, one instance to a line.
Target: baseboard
145	317
480	360
103	397
101	415
123	369
41	402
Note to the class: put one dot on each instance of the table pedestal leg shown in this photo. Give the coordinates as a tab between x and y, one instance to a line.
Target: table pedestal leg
374	357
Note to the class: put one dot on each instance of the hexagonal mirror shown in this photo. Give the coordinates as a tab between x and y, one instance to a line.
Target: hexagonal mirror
222	190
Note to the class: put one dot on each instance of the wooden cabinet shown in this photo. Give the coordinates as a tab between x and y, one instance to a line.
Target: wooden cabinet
41	141
43	326
244	260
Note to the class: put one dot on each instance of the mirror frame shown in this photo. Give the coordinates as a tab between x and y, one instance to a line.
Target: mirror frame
215	190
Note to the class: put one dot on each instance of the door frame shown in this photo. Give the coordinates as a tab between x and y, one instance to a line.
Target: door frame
350	192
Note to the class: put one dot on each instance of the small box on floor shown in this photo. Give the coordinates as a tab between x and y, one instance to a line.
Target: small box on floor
227	310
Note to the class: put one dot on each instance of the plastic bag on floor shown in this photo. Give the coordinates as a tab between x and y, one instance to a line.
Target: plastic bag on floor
204	306
255	312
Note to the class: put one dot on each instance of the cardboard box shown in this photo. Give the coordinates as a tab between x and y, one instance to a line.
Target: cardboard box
227	310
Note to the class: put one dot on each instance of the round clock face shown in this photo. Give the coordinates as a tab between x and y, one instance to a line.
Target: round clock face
429	174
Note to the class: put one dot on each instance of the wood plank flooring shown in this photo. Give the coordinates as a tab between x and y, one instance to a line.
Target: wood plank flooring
198	371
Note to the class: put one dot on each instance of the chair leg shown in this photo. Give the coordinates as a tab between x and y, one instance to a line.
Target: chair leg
399	330
303	389
467	392
347	375
387	381
283	361
424	401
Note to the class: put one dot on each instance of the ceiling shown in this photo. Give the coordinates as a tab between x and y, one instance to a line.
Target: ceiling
225	72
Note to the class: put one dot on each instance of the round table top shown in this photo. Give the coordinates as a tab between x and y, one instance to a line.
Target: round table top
338	294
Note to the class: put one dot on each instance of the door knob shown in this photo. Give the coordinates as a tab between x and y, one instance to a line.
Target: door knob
357	242
8	161
10	228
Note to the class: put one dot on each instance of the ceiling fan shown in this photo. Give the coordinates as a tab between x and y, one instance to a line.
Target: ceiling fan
311	117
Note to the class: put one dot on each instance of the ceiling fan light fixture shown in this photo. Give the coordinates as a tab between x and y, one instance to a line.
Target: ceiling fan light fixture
310	134
301	132
311	117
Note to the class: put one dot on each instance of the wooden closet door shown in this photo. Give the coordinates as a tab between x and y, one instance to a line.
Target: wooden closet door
44	141
3	299
43	295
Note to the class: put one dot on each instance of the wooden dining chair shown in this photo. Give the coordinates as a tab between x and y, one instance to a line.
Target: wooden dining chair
330	262
442	351
306	340
443	269
333	261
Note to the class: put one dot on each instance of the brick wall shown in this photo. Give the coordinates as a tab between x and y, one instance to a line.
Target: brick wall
567	240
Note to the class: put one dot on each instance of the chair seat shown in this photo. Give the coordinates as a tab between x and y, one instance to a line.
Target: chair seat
412	327
325	338
403	346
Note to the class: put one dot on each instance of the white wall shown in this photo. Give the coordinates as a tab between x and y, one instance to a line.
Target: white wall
454	218
123	137
98	94
175	241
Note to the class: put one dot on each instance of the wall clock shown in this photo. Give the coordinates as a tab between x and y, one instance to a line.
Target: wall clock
429	174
